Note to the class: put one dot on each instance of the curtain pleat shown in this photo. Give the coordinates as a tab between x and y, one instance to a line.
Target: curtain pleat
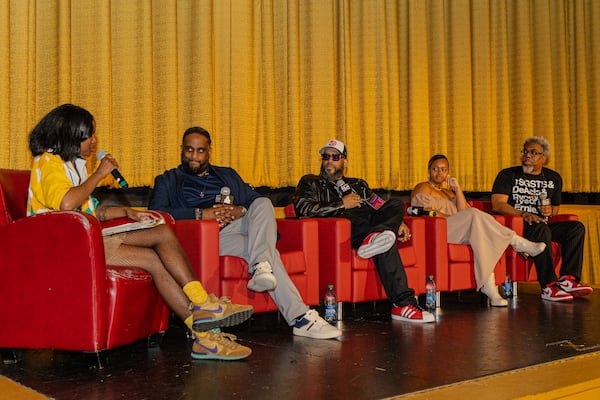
397	80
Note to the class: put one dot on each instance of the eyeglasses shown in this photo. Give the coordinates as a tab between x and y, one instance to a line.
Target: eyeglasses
334	157
533	153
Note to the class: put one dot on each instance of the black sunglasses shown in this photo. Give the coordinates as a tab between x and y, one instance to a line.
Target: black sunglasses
334	157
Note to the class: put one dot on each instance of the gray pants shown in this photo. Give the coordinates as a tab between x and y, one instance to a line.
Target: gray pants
253	238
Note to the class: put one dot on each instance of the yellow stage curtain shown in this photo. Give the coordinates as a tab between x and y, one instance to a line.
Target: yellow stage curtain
272	80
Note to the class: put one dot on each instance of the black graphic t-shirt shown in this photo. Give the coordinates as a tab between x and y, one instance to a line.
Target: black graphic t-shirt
524	190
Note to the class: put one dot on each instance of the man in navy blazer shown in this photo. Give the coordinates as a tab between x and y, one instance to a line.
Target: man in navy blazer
197	189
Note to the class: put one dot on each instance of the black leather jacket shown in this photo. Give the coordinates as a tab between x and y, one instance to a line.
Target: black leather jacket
317	197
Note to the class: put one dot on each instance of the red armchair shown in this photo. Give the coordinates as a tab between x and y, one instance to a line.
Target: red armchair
452	265
356	279
522	270
228	275
57	291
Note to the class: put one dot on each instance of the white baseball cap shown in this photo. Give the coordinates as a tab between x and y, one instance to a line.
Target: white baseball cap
334	144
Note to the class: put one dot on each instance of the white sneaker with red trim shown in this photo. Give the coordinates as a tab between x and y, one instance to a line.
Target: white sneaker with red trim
553	292
569	284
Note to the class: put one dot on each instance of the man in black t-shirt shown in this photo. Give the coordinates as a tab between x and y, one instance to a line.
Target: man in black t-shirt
534	192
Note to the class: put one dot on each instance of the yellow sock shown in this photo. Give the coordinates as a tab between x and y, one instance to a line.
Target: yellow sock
189	321
195	292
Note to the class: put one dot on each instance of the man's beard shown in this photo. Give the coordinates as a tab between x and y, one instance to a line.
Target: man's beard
185	163
528	169
337	174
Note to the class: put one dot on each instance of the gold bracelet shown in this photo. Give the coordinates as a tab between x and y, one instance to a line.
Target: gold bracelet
244	210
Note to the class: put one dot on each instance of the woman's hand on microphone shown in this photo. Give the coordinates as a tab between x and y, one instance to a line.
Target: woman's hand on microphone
107	164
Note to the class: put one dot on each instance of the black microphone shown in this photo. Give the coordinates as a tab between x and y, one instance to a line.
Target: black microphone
100	154
225	197
344	188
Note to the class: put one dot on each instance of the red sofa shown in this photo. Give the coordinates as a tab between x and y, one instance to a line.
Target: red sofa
356	279
228	275
57	291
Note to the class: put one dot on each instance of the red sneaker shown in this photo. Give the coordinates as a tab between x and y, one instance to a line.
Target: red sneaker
411	313
376	243
569	284
553	292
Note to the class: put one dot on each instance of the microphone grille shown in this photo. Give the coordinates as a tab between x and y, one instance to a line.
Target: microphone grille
340	183
100	154
225	191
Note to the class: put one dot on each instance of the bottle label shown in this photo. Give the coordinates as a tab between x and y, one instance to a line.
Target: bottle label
330	313
430	300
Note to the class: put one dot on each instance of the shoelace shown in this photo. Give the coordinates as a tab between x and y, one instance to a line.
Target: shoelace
214	299
226	339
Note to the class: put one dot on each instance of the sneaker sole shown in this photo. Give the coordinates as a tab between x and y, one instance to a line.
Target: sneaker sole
378	246
579	292
230	320
303	333
414	321
559	300
265	285
203	356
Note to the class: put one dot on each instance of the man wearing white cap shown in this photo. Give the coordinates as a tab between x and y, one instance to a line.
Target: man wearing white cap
375	225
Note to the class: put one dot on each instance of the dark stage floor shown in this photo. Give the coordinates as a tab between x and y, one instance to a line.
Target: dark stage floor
375	358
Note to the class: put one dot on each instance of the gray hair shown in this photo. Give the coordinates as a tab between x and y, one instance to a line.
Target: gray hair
541	141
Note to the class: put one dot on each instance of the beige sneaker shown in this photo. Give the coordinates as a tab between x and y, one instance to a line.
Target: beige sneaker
219	312
216	345
262	279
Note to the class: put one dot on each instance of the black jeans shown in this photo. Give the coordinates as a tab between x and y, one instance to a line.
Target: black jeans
365	220
570	234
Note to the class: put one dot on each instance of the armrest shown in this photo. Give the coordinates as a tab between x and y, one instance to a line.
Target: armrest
200	241
302	235
564	217
436	237
335	255
52	268
418	238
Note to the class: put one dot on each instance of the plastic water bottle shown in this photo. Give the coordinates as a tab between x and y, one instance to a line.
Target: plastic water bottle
507	286
430	294
330	302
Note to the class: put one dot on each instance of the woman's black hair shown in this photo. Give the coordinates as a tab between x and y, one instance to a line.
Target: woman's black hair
61	131
435	158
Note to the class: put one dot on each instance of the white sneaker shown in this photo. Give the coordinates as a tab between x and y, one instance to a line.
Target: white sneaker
376	243
313	326
262	279
522	245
